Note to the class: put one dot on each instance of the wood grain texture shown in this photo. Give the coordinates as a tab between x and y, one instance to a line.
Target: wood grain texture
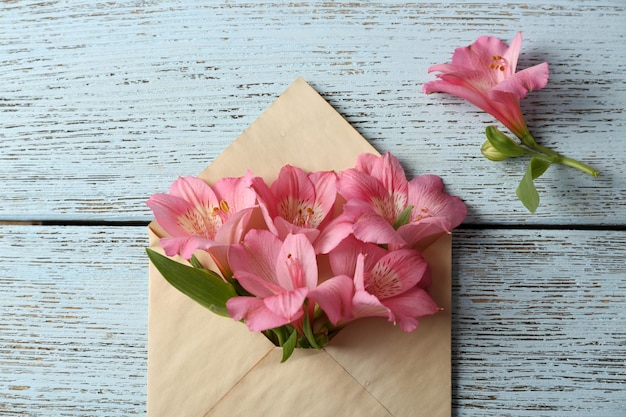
537	327
104	104
73	327
538	323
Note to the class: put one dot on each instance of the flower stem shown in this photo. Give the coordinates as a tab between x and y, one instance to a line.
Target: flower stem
556	157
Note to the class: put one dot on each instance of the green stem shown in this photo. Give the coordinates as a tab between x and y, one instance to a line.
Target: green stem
556	157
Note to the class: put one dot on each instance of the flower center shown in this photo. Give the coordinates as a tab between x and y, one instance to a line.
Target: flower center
498	63
300	213
383	282
422	214
204	221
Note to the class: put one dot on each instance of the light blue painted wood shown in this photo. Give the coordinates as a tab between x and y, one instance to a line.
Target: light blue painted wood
104	104
537	322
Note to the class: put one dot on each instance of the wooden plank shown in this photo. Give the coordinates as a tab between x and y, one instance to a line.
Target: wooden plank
74	307
106	104
537	322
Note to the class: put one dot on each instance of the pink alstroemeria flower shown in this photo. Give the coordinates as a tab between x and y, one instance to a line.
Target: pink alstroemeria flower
377	193
278	274
198	216
388	284
484	74
297	202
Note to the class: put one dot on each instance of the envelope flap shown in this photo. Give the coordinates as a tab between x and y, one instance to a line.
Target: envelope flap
300	128
310	383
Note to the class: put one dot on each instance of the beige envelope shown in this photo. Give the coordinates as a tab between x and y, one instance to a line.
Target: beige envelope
201	364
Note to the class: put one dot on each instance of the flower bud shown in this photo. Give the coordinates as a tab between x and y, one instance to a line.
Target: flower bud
492	153
504	144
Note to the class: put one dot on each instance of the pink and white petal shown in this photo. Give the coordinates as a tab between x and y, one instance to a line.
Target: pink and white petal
334	296
197	192
343	258
267	202
237	192
365	162
219	255
479	55
388	170
167	209
410	306
370	226
332	234
396	272
512	53
508	105
257	255
256	315
447	68
367	305
284	228
291	187
184	246
287	304
296	264
255	284
234	229
419	235
520	83
356	185
325	185
427	192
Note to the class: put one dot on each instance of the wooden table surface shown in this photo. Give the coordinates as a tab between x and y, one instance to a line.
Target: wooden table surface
104	103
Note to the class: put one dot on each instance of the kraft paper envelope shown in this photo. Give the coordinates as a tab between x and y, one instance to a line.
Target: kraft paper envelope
201	364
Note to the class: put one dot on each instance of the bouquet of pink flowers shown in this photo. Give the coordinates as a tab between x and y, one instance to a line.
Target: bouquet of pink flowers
302	257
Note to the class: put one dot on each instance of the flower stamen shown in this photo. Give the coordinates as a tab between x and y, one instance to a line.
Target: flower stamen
498	63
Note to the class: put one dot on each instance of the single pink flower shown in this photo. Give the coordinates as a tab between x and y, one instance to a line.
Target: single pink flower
297	202
278	274
197	216
378	193
385	283
484	74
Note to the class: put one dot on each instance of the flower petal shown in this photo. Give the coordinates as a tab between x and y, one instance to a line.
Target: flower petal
513	51
234	229
395	273
296	265
256	315
334	296
256	256
407	307
367	305
533	78
167	210
236	192
287	304
334	232
370	226
184	246
192	189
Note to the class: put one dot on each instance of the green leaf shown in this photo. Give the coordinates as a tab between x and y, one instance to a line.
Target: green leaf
526	191
308	332
290	345
538	167
203	286
403	218
195	262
